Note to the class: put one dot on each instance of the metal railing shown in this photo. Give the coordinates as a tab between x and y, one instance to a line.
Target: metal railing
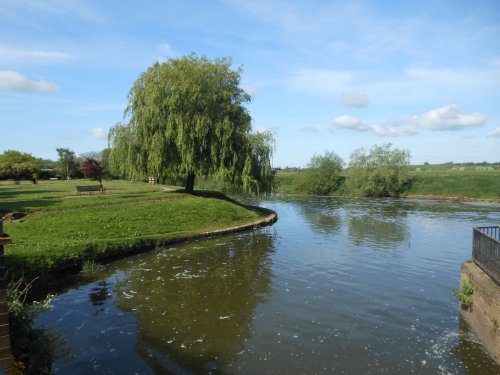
486	250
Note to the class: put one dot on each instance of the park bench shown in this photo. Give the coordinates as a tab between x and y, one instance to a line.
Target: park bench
89	188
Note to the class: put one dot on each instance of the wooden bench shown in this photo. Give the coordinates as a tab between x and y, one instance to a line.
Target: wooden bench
90	188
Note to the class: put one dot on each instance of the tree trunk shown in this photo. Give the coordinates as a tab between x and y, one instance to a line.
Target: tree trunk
190	183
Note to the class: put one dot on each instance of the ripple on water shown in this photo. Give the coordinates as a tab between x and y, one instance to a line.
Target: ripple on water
335	286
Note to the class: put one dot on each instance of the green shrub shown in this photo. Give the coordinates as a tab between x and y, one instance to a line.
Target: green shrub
323	174
464	295
383	172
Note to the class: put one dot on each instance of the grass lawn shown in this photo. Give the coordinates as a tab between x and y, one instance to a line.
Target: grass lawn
63	229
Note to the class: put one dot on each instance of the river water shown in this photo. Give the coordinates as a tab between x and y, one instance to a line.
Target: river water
344	286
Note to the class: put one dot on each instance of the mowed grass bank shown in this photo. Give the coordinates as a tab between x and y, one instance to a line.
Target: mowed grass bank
62	230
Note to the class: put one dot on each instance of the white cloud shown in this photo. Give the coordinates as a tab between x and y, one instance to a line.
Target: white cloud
282	14
320	81
166	50
445	118
252	91
354	99
412	85
309	129
57	9
495	133
13	81
8	54
351	123
100	133
495	62
458	78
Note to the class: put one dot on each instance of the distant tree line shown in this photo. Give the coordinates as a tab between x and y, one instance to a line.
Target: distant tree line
382	171
18	166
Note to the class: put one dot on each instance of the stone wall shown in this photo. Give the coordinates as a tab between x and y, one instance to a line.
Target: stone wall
484	314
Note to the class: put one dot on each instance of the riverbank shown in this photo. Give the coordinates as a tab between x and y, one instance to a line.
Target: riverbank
464	185
369	280
451	198
55	231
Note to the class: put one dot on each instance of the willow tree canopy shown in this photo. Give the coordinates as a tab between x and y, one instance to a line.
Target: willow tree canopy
188	119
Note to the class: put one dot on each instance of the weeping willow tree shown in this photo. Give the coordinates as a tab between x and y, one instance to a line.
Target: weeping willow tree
186	119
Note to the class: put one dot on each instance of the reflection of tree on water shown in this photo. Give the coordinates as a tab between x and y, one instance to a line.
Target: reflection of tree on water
322	214
99	294
382	224
195	307
470	353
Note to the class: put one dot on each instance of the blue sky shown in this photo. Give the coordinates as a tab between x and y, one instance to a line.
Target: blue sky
323	75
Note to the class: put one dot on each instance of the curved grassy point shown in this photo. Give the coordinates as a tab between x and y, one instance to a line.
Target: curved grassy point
63	229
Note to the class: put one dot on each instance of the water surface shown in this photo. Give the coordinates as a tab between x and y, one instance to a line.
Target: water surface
335	286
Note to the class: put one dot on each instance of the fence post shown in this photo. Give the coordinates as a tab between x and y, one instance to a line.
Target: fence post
5	352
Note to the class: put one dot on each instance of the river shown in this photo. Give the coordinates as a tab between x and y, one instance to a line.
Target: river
344	286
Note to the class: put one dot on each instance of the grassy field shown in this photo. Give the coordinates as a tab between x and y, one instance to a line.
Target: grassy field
287	182
64	229
466	183
477	184
456	167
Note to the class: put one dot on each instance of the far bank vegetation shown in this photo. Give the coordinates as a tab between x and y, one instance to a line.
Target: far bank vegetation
385	171
381	171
